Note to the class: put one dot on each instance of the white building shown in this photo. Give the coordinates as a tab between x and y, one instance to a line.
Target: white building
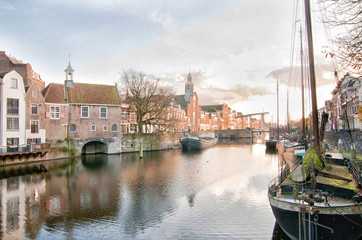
12	110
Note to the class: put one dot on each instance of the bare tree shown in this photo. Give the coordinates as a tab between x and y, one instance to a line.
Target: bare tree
151	99
346	15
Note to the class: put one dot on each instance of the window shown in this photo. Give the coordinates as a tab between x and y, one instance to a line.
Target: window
13	106
105	128
73	128
103	112
34	109
33	93
124	128
12	141
12	123
54	112
84	112
133	116
33	141
124	115
14	83
34	126
114	128
93	128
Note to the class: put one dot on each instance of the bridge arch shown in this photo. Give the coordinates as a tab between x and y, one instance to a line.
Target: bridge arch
93	147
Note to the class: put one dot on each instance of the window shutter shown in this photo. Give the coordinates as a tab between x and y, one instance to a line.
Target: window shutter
47	115
61	115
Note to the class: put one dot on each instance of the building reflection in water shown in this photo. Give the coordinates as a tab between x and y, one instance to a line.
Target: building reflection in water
120	195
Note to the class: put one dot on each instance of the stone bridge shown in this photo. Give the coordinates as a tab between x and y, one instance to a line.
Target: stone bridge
98	145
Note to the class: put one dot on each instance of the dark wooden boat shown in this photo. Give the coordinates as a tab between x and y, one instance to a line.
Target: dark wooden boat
203	141
271	144
311	199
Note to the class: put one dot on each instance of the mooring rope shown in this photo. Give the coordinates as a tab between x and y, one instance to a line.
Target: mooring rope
300	227
344	215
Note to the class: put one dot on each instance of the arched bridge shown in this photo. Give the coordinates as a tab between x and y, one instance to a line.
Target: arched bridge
98	145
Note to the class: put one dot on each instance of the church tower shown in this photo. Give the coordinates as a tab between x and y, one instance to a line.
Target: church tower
189	88
69	76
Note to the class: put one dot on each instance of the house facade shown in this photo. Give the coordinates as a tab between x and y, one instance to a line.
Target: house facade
35	115
12	110
343	107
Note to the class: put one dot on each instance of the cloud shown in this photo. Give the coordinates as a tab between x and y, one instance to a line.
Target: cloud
6	6
229	96
167	22
323	72
213	94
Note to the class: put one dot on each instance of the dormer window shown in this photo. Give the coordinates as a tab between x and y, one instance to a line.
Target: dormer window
14	83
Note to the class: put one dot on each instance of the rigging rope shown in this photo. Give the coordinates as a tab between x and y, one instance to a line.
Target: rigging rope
345	216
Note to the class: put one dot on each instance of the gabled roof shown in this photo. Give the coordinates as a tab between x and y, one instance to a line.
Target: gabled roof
212	108
82	93
54	93
180	100
14	60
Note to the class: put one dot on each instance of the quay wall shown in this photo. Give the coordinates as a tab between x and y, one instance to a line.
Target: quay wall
332	138
151	142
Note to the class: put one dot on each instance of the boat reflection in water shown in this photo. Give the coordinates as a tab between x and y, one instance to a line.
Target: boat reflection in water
278	233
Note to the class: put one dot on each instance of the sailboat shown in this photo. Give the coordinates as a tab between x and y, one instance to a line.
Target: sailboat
314	200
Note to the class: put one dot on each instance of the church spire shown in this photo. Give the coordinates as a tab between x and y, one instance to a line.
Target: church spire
189	78
189	88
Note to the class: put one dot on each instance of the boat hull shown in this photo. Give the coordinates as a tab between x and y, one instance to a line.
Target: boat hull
271	144
193	143
346	226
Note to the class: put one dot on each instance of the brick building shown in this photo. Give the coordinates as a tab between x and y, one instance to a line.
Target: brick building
81	110
35	115
8	63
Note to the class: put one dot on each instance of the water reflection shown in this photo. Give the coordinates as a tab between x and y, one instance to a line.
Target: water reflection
217	193
94	161
278	233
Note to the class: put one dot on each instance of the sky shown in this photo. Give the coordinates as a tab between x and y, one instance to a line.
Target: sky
235	50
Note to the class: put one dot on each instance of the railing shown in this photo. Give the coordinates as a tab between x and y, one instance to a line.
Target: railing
356	168
277	180
15	149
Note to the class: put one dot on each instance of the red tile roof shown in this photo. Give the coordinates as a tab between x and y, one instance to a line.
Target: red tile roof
54	93
82	93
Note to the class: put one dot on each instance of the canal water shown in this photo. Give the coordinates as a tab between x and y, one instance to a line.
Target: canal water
216	193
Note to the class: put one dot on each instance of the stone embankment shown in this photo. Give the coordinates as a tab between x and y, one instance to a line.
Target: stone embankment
150	142
332	137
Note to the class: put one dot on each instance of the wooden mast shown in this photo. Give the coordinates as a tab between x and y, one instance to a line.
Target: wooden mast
278	109
312	76
302	80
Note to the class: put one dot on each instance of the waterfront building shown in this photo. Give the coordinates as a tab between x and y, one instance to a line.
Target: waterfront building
346	98
128	117
190	103
8	63
221	110
35	115
12	111
81	110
